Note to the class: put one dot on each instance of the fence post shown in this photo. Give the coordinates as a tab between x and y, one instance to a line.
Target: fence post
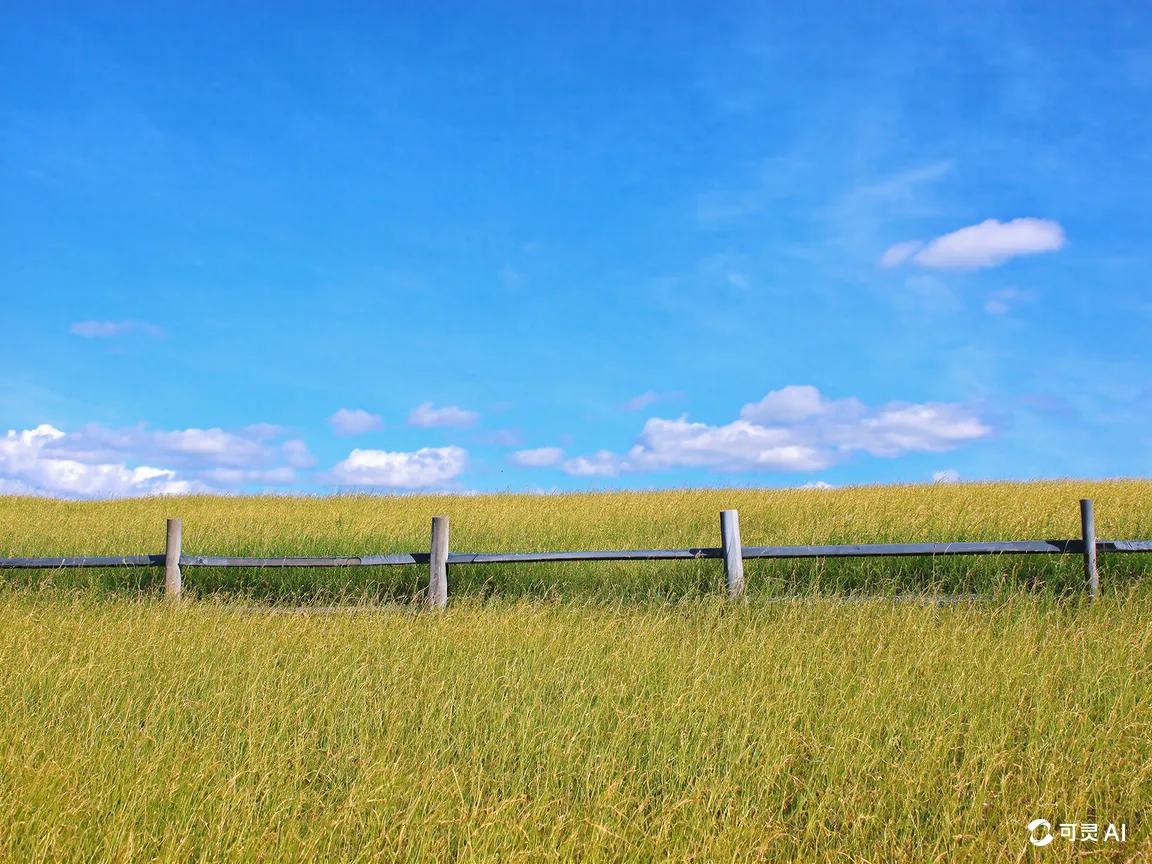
733	554
172	580
438	564
1088	533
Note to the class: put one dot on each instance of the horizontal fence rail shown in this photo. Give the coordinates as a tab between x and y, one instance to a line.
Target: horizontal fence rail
82	561
856	550
731	552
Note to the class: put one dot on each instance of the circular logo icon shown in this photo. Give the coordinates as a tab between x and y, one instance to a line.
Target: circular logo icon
1044	837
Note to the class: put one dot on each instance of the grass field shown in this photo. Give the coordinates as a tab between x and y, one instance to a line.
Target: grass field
352	525
538	731
592	713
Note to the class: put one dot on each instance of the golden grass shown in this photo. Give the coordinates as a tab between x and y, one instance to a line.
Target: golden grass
808	730
517	727
360	524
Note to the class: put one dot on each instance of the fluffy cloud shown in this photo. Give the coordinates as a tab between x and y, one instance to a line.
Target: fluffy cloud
795	428
898	253
604	463
419	469
539	457
737	446
948	475
98	462
987	244
182	448
786	405
427	415
899	428
28	466
353	421
108	329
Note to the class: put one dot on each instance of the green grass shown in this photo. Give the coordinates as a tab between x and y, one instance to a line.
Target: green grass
809	730
352	525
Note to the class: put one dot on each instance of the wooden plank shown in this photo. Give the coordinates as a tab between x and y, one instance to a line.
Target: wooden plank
364	560
733	557
871	550
173	582
1124	545
438	563
1088	540
81	561
583	555
395	558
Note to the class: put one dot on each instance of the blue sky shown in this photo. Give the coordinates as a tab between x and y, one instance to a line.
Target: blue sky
572	246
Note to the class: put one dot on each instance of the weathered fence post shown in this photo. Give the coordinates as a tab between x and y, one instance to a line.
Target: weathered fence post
438	564
1088	533
172	580
733	554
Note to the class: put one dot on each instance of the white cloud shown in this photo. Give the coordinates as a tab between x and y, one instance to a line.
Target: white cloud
427	415
297	454
420	469
898	253
948	475
353	421
182	448
816	484
795	428
98	462
786	405
736	446
27	466
901	428
540	457
604	463
209	445
987	244
109	329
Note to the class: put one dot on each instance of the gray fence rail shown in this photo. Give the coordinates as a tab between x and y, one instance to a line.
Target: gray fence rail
731	551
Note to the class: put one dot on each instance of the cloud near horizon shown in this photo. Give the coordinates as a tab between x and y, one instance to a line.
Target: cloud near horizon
420	469
427	415
793	429
99	462
354	421
539	457
988	244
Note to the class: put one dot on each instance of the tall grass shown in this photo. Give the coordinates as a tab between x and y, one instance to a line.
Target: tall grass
358	524
533	731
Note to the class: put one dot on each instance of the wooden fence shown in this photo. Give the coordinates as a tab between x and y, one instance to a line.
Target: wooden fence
730	550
